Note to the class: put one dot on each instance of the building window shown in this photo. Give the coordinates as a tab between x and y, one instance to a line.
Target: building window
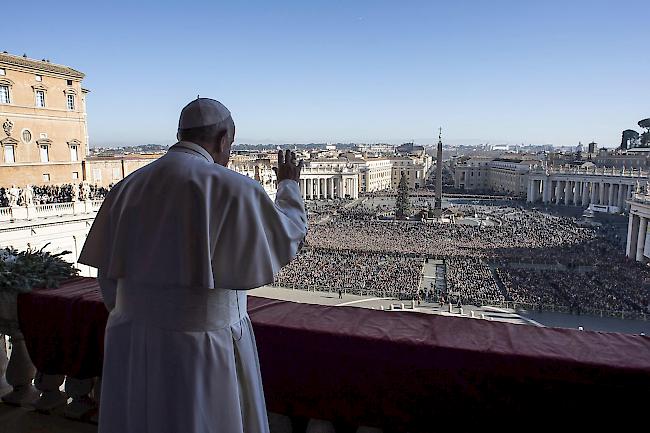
69	82
27	136
116	174
2	71
10	157
74	154
4	95
97	175
70	102
39	78
45	153
40	98
75	175
46	177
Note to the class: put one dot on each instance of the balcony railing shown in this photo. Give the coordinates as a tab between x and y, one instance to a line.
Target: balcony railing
14	213
397	371
602	171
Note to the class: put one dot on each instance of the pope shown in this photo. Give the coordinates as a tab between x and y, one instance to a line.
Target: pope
176	244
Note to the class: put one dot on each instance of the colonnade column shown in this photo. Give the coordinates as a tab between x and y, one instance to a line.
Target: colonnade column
558	191
610	195
593	192
585	193
601	193
621	192
640	240
577	192
546	190
632	236
568	192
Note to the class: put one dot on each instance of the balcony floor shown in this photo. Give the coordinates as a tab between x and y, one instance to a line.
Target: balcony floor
22	420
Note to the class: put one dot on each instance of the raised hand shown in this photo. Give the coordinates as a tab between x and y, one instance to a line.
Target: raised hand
288	167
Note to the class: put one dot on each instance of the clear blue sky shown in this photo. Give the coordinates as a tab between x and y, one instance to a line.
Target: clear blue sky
299	71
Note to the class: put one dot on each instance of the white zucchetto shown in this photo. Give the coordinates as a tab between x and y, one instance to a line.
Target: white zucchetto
202	112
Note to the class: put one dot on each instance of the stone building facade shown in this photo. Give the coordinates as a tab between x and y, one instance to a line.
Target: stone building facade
44	136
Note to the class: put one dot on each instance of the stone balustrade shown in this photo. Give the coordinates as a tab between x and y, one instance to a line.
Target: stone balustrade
611	171
16	213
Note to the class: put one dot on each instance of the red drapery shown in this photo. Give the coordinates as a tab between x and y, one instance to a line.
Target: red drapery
398	370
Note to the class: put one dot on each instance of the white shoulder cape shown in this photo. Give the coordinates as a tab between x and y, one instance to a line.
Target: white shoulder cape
185	221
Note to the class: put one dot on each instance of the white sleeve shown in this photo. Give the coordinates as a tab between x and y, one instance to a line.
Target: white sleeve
289	201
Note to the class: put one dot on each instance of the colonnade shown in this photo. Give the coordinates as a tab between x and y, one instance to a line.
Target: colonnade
582	192
637	229
328	187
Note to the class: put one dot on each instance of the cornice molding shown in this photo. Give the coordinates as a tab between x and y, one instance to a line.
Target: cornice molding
9	141
44	142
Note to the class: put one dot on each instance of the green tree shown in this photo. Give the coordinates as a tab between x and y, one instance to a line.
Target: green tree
402	204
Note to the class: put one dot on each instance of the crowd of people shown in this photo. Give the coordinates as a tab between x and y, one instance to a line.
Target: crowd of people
368	273
583	269
46	194
470	281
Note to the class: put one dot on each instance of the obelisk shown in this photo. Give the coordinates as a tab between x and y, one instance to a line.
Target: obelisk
437	211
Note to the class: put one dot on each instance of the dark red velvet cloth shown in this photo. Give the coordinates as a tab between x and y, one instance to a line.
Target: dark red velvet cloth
398	370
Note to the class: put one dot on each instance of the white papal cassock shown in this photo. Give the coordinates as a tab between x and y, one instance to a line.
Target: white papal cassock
175	243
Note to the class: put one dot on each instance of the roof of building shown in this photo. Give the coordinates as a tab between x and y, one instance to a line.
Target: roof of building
40	65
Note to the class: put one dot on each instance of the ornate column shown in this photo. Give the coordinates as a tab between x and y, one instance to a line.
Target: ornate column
577	192
318	188
640	240
558	191
330	181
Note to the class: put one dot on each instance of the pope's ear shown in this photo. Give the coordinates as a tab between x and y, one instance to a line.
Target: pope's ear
224	142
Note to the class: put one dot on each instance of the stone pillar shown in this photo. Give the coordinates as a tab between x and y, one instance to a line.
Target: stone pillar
610	196
593	193
529	195
331	186
558	191
546	190
318	188
310	189
632	234
621	196
577	192
640	240
585	193
568	192
601	193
